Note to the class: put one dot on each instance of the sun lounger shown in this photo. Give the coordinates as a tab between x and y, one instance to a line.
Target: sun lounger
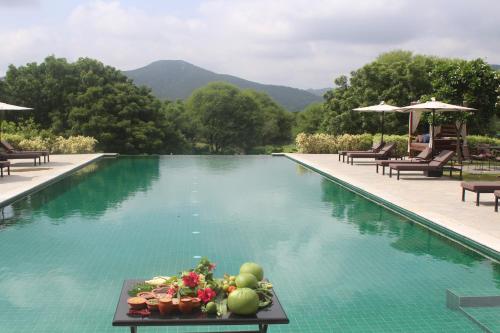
375	149
384	153
11	150
478	188
432	169
4	164
22	156
424	157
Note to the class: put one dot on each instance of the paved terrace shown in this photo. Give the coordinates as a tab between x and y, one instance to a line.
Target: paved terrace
436	199
24	177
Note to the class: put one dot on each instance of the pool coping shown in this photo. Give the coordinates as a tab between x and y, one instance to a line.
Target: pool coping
55	178
482	249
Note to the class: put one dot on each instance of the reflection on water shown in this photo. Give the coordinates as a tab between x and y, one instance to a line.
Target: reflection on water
87	192
406	236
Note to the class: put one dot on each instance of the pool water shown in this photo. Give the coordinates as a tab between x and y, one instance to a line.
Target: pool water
338	261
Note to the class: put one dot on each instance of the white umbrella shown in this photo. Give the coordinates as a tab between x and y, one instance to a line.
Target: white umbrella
382	108
435	106
9	107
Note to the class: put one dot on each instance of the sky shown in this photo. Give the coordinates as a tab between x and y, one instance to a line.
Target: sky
299	43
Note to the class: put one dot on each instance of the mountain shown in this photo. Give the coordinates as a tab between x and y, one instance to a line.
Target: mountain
495	67
319	92
176	79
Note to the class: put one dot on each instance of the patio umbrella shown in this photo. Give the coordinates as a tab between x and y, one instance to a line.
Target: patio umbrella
381	108
9	107
435	106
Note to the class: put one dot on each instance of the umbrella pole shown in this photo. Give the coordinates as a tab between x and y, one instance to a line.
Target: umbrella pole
1	123
382	138
433	120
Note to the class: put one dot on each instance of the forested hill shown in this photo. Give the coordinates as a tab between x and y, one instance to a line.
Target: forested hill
496	67
176	79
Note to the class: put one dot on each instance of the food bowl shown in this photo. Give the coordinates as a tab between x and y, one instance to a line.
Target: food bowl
152	304
136	303
146	295
195	303
165	305
160	290
175	303
186	305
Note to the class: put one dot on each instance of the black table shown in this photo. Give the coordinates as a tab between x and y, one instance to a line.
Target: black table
273	314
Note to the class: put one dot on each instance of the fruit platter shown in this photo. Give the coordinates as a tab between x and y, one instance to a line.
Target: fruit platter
198	293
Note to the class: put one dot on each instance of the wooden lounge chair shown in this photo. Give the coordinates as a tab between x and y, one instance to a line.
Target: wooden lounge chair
4	164
11	150
374	149
384	153
478	188
22	156
424	157
432	169
497	197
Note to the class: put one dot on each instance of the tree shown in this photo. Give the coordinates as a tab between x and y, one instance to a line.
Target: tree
473	83
398	78
225	117
276	121
309	120
88	98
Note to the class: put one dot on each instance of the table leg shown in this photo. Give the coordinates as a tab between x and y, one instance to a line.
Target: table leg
133	329
262	328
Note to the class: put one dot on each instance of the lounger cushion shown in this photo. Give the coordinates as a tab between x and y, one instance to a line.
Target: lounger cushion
481	186
413	167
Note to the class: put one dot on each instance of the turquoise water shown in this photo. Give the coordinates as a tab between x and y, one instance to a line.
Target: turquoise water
338	261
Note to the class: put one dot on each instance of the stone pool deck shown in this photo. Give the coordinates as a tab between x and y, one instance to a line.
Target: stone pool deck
25	177
434	199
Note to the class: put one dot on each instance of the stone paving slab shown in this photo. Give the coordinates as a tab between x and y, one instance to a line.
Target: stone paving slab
435	199
25	178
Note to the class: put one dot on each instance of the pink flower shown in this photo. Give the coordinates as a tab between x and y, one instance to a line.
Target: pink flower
171	291
212	267
191	279
206	294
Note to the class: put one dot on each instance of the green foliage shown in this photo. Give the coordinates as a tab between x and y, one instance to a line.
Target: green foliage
310	119
56	145
321	143
73	145
400	140
277	122
230	120
475	140
398	78
91	99
224	116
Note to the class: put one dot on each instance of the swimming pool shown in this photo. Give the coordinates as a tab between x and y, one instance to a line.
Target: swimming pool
338	261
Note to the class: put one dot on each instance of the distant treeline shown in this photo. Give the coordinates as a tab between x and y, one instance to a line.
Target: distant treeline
399	78
88	98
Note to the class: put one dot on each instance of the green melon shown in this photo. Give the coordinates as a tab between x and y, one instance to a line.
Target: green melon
243	301
254	269
246	280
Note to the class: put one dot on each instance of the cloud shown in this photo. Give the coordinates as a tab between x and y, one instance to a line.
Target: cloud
295	42
19	3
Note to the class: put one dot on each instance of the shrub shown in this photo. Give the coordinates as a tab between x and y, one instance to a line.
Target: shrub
321	143
58	145
475	140
400	140
74	145
37	143
13	139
